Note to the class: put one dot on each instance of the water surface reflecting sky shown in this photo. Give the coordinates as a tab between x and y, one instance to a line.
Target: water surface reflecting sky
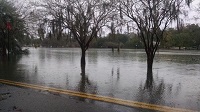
122	75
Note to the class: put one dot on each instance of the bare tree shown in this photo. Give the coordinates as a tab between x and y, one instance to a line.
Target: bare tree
54	16
31	15
151	17
114	26
85	18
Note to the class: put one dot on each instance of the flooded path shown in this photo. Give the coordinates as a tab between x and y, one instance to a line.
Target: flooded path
120	75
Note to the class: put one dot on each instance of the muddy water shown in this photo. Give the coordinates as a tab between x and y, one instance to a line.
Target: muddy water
176	79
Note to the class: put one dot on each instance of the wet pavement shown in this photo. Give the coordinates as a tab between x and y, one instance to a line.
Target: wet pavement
134	105
14	99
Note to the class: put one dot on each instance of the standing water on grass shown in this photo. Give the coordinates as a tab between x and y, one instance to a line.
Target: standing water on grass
176	74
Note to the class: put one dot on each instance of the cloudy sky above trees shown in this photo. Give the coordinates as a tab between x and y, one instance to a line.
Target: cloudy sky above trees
193	16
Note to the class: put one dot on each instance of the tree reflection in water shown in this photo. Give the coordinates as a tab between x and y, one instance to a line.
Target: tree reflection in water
149	82
117	73
86	86
151	92
9	69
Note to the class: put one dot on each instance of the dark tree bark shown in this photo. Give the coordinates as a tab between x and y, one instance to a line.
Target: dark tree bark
149	66
4	54
83	63
149	82
3	44
149	79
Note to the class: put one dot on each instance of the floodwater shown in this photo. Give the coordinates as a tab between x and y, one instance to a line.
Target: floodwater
176	74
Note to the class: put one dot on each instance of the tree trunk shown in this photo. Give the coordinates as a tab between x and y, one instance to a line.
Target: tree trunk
149	66
149	82
83	62
112	49
8	44
4	54
118	49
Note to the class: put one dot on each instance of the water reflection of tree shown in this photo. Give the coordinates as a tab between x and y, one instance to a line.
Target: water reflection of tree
149	83
86	86
157	92
151	92
118	73
9	69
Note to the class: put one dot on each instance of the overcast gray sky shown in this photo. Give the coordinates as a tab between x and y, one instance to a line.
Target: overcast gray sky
192	13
